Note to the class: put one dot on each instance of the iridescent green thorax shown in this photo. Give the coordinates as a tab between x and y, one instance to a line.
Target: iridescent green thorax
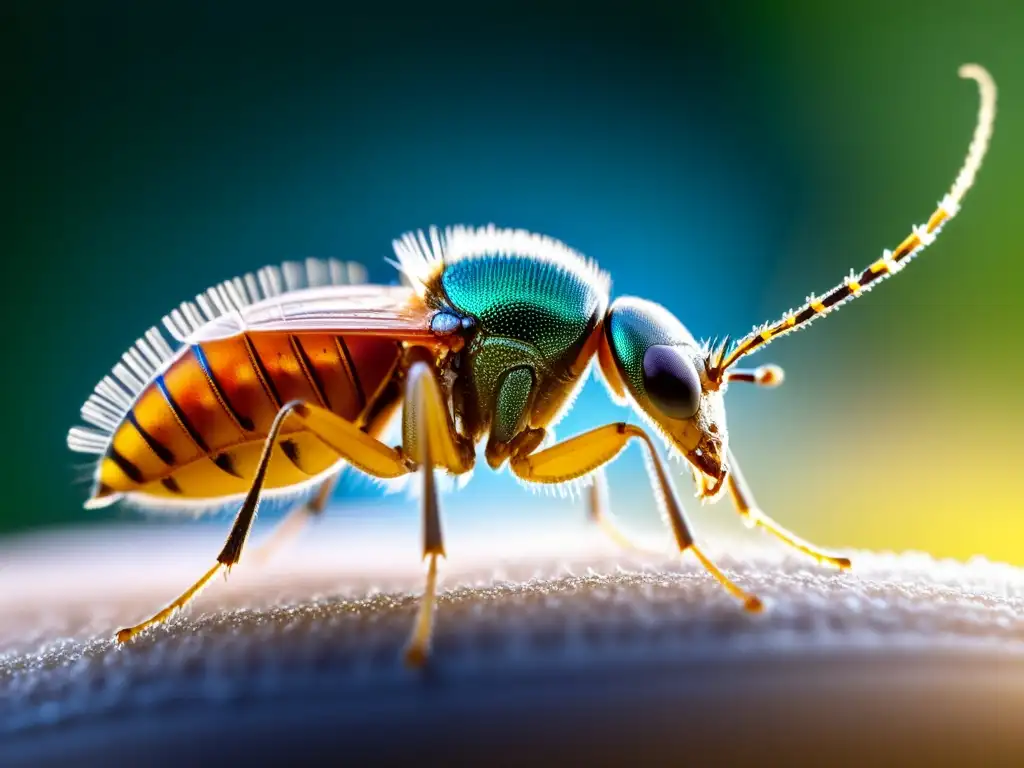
536	302
530	320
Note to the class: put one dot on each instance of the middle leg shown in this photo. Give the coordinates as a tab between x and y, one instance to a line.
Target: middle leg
345	439
295	520
430	440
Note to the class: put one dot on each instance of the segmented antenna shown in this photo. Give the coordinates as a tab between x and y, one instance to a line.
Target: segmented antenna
892	261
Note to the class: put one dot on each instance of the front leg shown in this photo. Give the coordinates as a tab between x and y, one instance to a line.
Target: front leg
746	505
598	505
583	454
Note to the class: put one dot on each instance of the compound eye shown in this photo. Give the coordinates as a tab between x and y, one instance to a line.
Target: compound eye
672	382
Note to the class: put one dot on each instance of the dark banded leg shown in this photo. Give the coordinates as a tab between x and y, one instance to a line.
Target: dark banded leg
296	520
746	505
348	442
584	453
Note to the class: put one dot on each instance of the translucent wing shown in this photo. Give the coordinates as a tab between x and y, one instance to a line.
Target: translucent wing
394	311
297	296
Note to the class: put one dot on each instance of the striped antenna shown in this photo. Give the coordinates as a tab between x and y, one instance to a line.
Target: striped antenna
723	357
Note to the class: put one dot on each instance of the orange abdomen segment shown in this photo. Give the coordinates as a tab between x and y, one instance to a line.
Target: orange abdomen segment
197	430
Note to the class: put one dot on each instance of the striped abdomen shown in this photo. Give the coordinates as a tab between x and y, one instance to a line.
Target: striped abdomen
197	430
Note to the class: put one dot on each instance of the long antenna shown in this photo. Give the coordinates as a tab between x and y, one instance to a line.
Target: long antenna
892	261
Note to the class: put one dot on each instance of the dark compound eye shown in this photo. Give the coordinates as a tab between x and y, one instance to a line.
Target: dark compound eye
671	381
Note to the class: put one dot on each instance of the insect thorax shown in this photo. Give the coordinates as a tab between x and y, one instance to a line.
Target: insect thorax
526	343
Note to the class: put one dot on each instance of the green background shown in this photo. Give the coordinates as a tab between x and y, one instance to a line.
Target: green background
724	159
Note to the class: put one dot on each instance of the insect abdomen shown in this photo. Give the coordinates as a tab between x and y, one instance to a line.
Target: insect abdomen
197	429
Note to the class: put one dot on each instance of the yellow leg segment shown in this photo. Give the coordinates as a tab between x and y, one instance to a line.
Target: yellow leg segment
599	513
418	648
746	505
350	443
584	453
428	433
124	635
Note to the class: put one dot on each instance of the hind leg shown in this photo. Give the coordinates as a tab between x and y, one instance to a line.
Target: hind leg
429	442
295	520
348	442
746	505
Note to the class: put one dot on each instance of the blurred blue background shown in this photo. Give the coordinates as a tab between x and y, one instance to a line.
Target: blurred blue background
724	159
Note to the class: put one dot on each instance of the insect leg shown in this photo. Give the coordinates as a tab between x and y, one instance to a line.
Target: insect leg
584	453
296	520
599	513
746	505
348	441
763	375
429	438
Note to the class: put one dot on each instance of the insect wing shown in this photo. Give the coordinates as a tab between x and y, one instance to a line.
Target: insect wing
391	311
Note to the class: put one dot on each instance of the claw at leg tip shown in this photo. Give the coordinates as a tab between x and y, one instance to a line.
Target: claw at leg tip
415	656
753	604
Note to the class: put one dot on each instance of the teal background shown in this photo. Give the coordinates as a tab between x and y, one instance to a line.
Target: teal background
724	159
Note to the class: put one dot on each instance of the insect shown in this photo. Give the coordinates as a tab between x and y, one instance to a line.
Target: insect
280	378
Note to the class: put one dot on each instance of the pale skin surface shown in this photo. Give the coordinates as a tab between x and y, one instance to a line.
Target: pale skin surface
906	655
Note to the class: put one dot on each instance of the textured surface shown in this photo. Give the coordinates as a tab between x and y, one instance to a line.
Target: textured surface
592	654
